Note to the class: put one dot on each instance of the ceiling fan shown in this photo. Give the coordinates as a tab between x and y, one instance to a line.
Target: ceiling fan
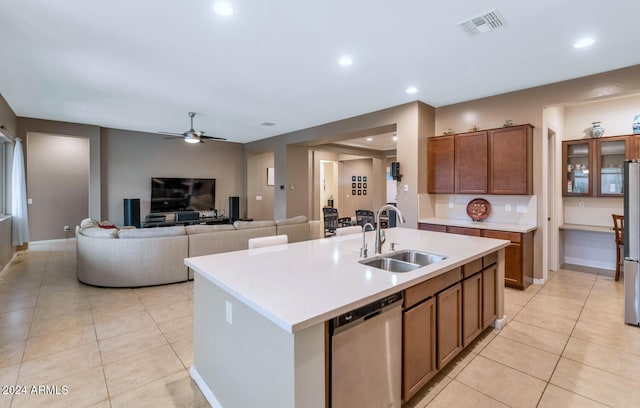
191	136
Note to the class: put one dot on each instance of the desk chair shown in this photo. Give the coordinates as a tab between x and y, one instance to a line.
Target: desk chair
618	229
268	241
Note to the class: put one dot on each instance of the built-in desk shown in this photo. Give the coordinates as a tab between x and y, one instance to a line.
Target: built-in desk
588	245
590	228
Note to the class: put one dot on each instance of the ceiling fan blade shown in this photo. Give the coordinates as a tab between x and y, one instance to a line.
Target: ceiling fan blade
172	134
212	137
174	137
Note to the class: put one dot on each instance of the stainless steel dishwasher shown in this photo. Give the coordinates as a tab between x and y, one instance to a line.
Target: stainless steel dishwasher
366	355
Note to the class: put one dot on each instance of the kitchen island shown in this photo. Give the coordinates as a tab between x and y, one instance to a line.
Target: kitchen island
260	332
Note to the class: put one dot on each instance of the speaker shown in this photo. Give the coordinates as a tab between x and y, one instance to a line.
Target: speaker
132	212
395	171
234	208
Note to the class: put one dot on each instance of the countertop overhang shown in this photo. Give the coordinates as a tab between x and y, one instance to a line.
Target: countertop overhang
301	284
498	226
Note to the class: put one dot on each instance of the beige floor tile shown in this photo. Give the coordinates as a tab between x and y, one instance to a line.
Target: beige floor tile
456	365
117	325
11	353
129	344
533	336
110	296
162	296
14	333
179	329
49	369
482	340
619	338
41	327
83	389
184	350
556	305
16	317
456	394
511	310
521	357
9	375
175	390
428	392
52	312
555	397
143	368
549	321
50	343
575	293
596	384
105	311
509	386
172	311
519	297
605	358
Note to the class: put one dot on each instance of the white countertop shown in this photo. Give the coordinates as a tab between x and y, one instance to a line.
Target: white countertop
479	224
589	228
305	283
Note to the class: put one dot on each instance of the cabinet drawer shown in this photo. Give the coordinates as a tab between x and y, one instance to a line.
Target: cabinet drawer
464	231
472	267
490	259
514	237
426	289
432	227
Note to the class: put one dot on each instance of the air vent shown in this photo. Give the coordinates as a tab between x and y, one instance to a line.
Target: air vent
268	124
489	21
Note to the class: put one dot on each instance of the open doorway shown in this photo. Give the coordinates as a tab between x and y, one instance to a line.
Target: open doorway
329	196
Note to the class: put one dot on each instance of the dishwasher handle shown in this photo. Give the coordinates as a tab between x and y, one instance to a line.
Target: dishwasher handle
366	312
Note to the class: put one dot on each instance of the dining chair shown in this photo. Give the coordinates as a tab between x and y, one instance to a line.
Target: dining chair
268	241
618	229
365	216
332	221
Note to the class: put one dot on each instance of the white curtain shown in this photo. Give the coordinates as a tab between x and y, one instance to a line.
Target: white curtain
19	217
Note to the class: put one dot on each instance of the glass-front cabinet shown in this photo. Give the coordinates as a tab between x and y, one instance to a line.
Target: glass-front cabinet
611	153
577	162
594	167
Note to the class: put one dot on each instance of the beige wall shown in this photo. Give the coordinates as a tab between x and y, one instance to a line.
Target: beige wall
57	183
350	203
257	187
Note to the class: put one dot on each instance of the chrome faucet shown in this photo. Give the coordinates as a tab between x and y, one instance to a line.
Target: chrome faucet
380	238
363	250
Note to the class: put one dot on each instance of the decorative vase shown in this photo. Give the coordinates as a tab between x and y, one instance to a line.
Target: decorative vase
596	130
636	125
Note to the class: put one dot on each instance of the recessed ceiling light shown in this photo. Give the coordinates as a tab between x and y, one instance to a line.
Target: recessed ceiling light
412	90
345	61
369	139
222	8
585	42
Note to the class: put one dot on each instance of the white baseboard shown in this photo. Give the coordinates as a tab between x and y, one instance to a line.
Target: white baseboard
498	324
204	388
52	241
537	281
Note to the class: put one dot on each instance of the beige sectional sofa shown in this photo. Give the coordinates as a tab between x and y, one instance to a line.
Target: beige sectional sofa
155	256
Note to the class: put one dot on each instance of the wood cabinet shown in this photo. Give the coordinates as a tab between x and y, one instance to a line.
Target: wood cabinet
489	299
448	324
471	308
474	232
495	161
440	165
471	163
511	160
419	347
432	227
594	167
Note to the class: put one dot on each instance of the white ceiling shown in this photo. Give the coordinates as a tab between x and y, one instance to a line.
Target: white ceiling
143	64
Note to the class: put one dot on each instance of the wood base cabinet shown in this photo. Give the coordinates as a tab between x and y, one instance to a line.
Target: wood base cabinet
449	324
471	308
419	347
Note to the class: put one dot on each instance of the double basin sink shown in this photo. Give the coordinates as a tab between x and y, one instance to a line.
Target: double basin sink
403	261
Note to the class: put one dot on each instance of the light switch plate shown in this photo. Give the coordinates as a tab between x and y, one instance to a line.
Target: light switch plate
29	200
258	198
406	188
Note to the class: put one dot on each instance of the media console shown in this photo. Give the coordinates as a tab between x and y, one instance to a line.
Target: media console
150	223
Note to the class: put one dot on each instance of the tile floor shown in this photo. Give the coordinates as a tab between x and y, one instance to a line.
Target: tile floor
565	344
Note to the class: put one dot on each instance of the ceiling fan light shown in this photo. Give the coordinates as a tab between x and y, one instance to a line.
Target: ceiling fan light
191	139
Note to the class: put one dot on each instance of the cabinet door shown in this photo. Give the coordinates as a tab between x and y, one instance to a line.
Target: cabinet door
471	308
419	345
449	324
577	162
511	160
471	163
440	164
513	266
611	153
489	301
474	232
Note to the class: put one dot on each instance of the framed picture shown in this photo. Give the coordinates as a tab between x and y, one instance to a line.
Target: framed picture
359	185
353	192
359	178
359	192
364	185
364	192
353	185
271	176
364	178
353	178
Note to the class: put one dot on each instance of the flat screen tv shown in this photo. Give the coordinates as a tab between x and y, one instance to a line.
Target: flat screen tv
182	194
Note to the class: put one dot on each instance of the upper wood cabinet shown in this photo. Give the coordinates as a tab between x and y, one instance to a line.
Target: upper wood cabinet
440	168
471	163
594	167
496	161
511	160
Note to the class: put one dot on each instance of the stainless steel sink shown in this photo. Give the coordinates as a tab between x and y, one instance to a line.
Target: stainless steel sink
416	257
403	261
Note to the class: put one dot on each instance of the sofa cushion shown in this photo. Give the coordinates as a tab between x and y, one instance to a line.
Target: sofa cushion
298	219
88	223
97	232
152	232
202	229
253	224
